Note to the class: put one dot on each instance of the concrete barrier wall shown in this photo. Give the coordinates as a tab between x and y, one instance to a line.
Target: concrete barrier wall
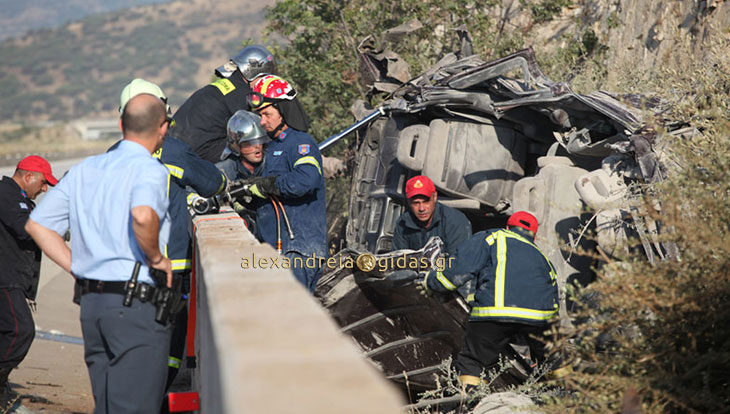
264	344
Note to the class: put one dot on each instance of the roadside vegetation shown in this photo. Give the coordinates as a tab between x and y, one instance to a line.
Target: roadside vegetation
654	338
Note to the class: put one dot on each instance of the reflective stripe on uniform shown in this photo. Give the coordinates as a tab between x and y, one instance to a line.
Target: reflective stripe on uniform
224	85
181	264
522	313
516	236
223	183
192	196
499	273
173	362
175	170
309	160
444	281
470	298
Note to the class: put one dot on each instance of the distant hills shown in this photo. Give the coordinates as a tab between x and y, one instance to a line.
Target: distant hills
79	69
20	17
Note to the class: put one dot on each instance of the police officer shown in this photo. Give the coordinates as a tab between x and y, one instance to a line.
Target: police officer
201	120
20	261
426	217
516	293
292	174
186	169
115	206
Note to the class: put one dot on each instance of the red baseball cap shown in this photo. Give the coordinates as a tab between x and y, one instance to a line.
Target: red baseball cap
420	185
523	219
38	164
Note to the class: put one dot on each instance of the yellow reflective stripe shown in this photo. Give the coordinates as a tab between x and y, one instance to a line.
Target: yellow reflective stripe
444	281
181	264
514	312
490	239
175	170
470	298
173	362
309	160
224	85
191	197
516	236
223	184
499	273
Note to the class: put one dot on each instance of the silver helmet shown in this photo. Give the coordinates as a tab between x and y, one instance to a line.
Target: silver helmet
244	127
253	61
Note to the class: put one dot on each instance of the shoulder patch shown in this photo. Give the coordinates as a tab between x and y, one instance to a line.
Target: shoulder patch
303	149
23	206
224	85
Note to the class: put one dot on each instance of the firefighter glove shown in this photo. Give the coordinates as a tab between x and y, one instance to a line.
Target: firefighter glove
422	286
264	187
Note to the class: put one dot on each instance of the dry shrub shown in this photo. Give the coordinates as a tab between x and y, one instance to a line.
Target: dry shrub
664	330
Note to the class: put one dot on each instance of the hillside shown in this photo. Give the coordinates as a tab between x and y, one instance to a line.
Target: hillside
79	69
20	17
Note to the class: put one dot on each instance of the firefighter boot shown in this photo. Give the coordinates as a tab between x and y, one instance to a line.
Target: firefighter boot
6	394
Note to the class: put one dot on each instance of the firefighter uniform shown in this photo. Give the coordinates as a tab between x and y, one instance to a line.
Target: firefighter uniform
516	292
186	169
449	224
20	260
294	158
201	121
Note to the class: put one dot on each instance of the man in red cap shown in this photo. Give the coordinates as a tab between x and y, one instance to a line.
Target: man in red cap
426	217
20	261
515	296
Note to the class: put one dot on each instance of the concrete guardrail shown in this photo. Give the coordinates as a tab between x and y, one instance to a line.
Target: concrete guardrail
264	344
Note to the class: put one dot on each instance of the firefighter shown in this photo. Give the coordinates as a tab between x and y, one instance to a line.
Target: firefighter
21	264
244	154
201	120
291	181
243	158
426	217
186	169
516	293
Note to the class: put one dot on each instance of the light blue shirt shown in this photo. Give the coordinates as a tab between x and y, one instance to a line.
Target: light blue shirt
94	200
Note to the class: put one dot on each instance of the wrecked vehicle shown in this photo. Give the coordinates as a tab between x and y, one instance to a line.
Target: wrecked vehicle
495	137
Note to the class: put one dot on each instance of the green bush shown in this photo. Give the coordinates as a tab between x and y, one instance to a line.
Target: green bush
669	323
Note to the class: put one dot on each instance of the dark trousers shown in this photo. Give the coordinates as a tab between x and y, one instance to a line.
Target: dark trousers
484	341
17	328
179	334
306	275
126	353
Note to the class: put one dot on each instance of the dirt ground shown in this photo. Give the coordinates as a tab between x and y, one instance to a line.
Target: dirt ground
53	377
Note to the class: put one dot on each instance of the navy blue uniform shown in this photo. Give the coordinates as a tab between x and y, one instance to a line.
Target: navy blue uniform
186	169
20	264
294	158
449	224
516	294
201	120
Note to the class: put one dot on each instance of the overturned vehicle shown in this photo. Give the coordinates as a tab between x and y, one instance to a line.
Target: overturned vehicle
495	137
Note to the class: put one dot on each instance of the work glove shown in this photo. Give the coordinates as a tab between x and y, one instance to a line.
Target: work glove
422	286
264	187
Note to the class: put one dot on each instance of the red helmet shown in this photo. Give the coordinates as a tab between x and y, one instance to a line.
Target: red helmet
523	219
270	89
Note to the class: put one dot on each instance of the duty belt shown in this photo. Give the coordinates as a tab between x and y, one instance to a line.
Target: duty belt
143	292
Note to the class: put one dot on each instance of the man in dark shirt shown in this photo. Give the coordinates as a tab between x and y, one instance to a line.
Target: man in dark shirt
201	120
426	217
20	261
